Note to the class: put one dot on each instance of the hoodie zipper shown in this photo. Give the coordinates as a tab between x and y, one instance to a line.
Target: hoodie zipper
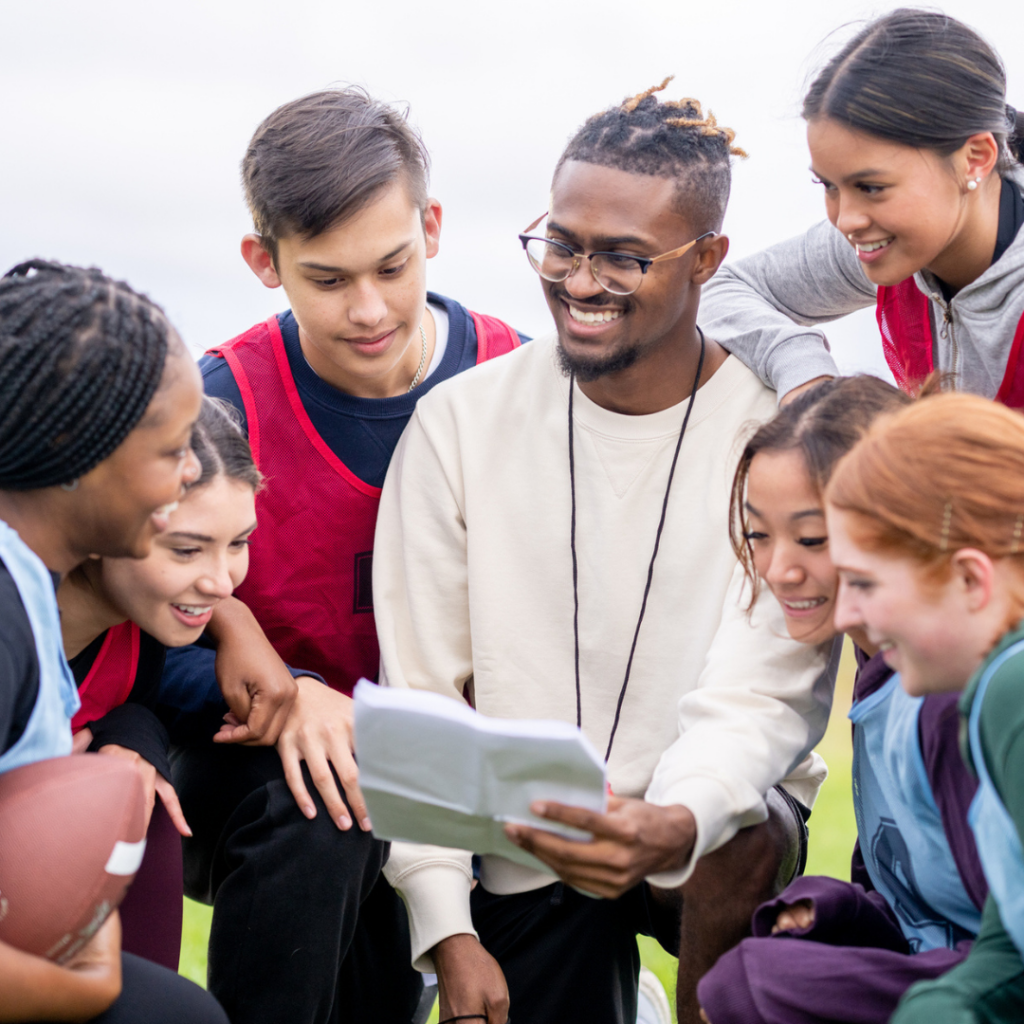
947	331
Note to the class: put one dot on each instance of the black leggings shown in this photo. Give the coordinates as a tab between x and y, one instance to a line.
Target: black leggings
151	994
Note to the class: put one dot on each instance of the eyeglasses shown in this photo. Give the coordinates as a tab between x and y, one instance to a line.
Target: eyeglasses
615	272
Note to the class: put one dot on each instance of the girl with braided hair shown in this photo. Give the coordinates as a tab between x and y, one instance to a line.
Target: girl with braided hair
926	525
918	153
97	401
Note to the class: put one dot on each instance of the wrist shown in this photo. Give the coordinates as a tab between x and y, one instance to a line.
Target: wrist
679	832
451	948
229	616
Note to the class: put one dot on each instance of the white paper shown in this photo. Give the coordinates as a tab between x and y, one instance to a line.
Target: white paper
434	771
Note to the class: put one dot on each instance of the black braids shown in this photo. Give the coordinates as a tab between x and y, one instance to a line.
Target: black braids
81	356
665	139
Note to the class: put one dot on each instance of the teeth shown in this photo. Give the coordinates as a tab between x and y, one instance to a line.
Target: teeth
192	609
804	605
586	317
166	510
873	246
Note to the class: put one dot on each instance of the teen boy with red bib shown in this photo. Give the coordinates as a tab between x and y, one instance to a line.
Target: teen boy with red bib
337	186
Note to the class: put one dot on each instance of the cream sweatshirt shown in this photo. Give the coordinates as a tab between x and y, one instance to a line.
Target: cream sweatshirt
473	597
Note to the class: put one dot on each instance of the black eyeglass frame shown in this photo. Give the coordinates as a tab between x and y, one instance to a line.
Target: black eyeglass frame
644	262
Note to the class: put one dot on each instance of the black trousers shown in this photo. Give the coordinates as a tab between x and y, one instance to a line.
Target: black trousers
305	928
151	994
568	957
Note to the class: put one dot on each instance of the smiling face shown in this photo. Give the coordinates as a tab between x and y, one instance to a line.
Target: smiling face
901	208
604	209
197	562
358	291
120	506
934	633
786	532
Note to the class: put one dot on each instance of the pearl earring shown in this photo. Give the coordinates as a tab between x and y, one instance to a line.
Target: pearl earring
850	236
973	183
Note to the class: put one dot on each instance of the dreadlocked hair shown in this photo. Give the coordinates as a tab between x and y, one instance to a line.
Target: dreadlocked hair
669	139
81	356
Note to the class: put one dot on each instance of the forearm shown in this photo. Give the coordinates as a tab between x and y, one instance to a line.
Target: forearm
762	702
766	307
34	989
434	883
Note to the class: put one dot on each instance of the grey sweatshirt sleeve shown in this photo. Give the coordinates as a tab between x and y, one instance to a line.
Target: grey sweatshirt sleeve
759	308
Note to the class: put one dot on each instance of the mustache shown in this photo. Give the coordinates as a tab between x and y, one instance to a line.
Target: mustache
595	302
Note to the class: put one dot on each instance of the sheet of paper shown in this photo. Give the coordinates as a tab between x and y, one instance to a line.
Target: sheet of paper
434	771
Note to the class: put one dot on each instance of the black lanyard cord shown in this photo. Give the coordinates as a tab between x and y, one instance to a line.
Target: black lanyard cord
650	568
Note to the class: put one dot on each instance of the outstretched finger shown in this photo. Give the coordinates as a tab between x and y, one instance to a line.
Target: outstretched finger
323	778
292	765
579	817
348	773
172	805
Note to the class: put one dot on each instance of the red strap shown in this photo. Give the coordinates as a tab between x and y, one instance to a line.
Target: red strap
904	319
112	675
494	337
1011	391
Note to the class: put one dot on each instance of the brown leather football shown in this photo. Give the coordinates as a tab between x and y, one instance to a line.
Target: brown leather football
71	840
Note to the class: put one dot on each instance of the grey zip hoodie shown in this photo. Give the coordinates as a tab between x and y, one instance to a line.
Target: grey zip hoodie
766	309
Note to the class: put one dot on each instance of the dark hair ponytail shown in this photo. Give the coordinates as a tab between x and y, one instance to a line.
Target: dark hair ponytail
220	446
922	79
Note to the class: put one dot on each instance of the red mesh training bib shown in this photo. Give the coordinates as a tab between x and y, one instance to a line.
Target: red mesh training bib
111	677
904	319
310	568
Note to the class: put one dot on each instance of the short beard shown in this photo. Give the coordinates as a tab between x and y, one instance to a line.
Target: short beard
587	369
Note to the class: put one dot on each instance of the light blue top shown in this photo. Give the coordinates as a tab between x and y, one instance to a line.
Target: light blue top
999	845
48	731
902	839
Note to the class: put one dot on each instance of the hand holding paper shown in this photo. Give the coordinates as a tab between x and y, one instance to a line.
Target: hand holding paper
434	771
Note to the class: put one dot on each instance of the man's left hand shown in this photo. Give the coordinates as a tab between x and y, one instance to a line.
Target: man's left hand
632	840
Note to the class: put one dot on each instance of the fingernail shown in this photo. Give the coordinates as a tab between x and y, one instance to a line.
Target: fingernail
344	821
366	825
188	832
309	811
539	807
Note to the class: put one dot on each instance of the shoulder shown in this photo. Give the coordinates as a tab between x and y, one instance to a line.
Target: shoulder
735	398
15	629
494	380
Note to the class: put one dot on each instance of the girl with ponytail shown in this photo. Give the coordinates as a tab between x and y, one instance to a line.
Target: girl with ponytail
918	153
926	526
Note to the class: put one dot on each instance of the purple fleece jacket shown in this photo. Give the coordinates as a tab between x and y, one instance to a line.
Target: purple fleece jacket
853	964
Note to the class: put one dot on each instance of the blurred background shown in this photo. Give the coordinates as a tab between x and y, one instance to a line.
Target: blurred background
122	125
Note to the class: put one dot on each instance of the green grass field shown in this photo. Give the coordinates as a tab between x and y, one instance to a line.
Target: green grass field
832	827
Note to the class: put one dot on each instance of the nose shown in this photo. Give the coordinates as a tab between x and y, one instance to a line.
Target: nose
847	613
783	569
216	582
367	307
850	215
581	283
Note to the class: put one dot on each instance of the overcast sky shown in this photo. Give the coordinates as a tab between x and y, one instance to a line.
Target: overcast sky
123	124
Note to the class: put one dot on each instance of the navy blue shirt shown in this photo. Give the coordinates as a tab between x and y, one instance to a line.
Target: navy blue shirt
362	432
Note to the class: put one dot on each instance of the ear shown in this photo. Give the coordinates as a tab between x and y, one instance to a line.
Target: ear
975	577
432	227
980	155
711	254
260	261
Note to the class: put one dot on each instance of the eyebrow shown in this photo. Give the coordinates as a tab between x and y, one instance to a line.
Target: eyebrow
202	538
804	514
608	241
869	172
327	269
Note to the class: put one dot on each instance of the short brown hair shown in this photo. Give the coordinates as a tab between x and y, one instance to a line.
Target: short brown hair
319	160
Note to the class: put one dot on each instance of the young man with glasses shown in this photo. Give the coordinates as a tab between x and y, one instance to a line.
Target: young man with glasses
553	543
